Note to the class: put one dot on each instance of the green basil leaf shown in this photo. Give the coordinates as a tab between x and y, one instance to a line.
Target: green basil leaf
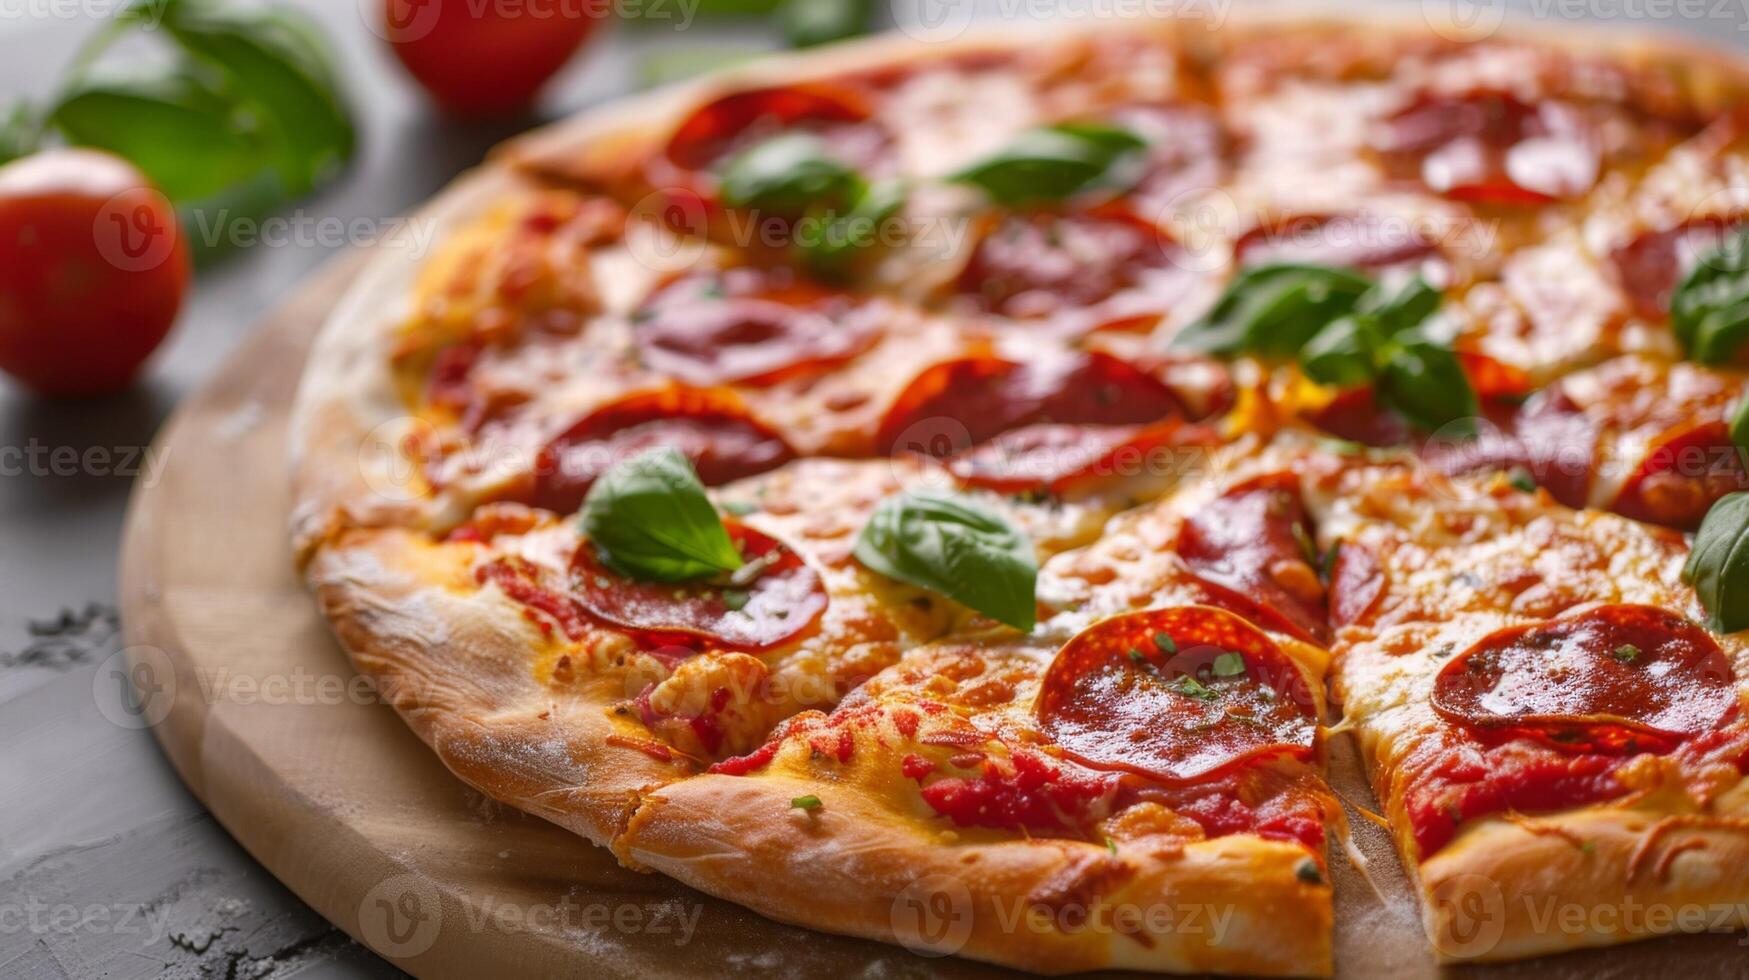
1273	310
841	238
187	137
20	132
649	519
1052	163
1403	307
1718	565
1425	382
786	175
1720	334
274	64
1343	354
1710	307
952	547
1113	140
810	22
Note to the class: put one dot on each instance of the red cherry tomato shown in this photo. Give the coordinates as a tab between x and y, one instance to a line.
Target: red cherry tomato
92	270
479	59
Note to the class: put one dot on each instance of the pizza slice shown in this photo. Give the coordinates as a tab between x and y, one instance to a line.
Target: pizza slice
1556	741
1134	785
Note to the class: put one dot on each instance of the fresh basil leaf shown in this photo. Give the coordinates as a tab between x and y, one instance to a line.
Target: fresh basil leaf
810	22
1710	307
1720	334
1400	308
1718	564
1052	163
950	546
786	175
20	132
273	63
1111	139
1190	687
1424	381
187	137
649	519
1273	310
1344	353
843	237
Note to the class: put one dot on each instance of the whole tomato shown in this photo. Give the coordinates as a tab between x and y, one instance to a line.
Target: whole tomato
93	267
481	57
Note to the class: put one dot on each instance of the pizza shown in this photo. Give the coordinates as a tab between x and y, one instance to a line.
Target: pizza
954	493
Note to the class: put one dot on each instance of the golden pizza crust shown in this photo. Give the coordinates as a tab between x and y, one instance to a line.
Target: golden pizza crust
1234	904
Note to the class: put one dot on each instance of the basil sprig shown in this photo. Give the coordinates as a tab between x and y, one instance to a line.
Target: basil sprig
795	176
1345	330
1056	162
243	108
837	238
1709	311
1273	310
787	174
946	544
650	520
810	22
1718	564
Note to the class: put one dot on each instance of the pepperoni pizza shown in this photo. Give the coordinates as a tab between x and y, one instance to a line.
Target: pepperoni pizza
988	473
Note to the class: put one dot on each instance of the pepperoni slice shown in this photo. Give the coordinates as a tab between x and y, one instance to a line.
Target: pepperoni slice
1492	148
1046	264
755	328
960	403
1650	266
1356	582
740	119
1618	679
713	430
1055	458
781	600
1348	241
1549	437
1254	541
1683	475
1178	694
